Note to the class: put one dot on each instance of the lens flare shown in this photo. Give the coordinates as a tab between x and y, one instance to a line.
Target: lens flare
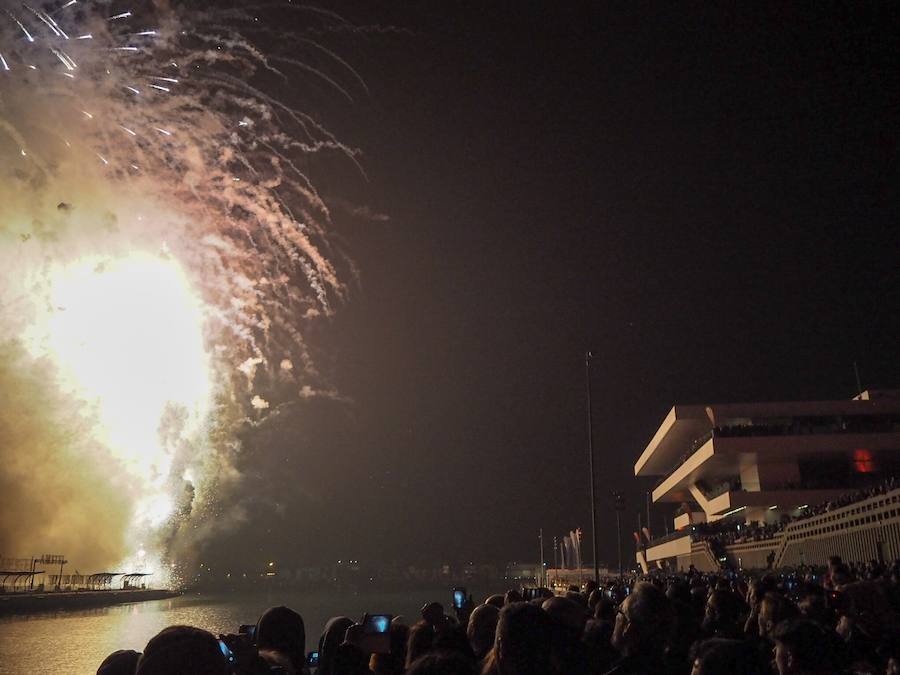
162	248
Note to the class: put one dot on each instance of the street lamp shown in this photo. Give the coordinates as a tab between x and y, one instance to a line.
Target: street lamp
587	371
619	504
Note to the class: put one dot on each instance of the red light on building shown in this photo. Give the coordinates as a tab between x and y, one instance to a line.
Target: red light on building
863	461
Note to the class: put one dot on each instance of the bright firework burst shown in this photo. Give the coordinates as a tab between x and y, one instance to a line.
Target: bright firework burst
161	242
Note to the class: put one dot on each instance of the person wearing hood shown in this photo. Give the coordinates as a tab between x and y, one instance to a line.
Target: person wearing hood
281	630
331	640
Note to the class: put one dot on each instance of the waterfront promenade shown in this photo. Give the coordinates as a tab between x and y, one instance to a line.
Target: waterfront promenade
29	603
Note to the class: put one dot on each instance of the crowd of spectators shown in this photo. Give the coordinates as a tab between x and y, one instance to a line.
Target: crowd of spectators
728	532
885	486
843	620
852	424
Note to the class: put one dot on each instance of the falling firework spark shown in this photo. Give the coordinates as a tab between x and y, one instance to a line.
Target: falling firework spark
161	245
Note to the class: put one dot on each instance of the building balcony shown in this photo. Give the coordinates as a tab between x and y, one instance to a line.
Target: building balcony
761	464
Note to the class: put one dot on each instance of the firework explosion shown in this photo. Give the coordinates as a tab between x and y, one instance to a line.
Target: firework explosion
161	246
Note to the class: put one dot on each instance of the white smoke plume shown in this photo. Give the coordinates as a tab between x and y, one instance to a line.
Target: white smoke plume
162	245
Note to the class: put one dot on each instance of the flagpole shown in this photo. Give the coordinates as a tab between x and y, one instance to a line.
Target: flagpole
542	577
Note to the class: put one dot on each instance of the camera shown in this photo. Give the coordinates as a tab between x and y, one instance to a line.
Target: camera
312	659
459	597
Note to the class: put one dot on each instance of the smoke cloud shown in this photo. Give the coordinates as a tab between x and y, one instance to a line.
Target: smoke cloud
58	483
162	247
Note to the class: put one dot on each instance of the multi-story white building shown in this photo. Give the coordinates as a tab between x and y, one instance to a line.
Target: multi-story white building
770	468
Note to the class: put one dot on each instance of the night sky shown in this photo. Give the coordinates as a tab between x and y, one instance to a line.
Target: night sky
705	195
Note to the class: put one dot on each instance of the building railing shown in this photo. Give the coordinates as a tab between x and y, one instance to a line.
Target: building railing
799	426
842	525
729	533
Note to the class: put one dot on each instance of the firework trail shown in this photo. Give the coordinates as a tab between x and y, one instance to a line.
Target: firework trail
161	247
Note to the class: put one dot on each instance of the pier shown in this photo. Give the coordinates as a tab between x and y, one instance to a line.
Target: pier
30	603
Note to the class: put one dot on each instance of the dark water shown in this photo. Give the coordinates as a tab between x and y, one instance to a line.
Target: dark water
76	642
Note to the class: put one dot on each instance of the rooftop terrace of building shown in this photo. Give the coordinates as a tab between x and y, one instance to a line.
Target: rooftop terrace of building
686	426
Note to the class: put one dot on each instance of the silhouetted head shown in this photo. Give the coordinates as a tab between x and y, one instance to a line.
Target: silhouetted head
566	613
182	650
812	605
421	641
280	629
350	660
870	608
802	646
495	600
482	629
121	662
522	645
605	610
643	622
275	660
679	591
758	588
723	613
512	596
717	656
841	575
774	609
332	637
433	613
452	638
567	618
578	598
596	638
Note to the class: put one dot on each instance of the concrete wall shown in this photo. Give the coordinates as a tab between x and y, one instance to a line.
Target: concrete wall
753	555
859	546
685	519
766	475
670	549
702	558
